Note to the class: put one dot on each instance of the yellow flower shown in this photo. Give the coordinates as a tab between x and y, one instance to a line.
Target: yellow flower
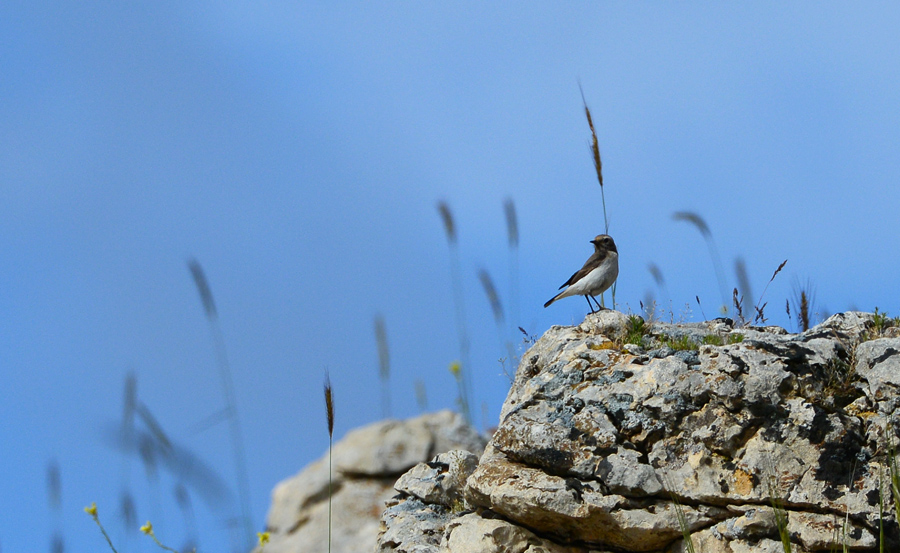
263	538
92	510
455	368
147	528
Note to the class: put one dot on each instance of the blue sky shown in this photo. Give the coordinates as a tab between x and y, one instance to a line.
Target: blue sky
298	152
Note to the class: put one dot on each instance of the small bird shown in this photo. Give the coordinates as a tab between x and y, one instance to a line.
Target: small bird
598	273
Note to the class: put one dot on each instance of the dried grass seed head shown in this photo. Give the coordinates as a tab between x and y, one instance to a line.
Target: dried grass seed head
329	405
203	288
694	219
512	223
447	219
491	293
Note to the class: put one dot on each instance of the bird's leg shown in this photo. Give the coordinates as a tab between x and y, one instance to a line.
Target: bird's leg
599	307
589	303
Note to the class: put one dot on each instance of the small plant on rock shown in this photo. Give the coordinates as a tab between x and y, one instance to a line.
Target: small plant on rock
760	309
529	339
738	302
682	343
838	377
894	469
804	299
781	516
683	525
881	322
635	330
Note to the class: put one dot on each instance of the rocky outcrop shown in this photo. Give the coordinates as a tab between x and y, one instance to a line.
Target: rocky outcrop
366	464
624	436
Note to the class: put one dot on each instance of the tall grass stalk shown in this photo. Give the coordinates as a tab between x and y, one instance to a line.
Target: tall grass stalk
781	516
683	525
497	309
329	415
845	527
237	440
595	155
894	469
803	312
804	298
598	166
54	486
679	510
384	365
698	222
759	308
660	281
129	402
740	271
54	499
149	449
700	305
127	510
183	499
738	303
421	395
456	371
463	376
512	235
881	510
57	543
128	513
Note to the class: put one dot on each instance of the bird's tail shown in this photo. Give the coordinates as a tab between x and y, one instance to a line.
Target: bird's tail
553	299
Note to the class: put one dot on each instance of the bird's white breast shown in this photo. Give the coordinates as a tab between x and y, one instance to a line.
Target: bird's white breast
599	279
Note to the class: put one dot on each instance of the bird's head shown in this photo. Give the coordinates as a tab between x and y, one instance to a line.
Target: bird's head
604	242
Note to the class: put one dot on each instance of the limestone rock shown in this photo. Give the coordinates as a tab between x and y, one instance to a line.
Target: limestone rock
366	464
576	510
440	481
471	533
878	362
409	525
698	426
391	447
816	532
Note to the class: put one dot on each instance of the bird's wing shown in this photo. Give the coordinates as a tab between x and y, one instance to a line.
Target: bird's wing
593	261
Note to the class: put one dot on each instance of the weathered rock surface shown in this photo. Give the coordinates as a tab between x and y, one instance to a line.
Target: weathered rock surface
604	445
440	481
367	463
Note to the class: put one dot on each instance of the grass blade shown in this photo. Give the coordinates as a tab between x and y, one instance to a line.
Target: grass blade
759	309
698	222
512	233
329	415
237	441
464	380
384	364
